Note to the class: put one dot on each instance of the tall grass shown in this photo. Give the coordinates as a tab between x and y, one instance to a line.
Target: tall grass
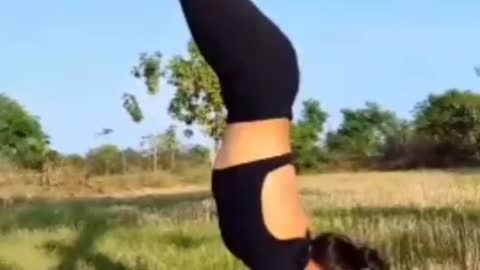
420	220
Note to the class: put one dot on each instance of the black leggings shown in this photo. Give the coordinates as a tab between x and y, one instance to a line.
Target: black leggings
255	62
258	72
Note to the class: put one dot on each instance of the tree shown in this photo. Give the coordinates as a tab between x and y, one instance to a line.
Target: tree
451	121
53	160
306	135
199	153
134	159
166	142
74	160
105	159
197	99
152	144
132	106
22	139
106	134
169	143
363	132
150	71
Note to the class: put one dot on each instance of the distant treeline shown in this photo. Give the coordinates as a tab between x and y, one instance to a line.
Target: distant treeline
444	132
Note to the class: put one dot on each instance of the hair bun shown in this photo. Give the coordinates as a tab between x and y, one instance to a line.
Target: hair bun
335	251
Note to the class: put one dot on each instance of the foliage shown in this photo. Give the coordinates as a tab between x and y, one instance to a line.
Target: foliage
150	71
134	160
22	139
170	144
163	143
306	135
74	160
199	153
197	97
131	105
105	159
451	122
364	132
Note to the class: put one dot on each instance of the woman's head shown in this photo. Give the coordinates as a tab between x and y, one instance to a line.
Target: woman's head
337	252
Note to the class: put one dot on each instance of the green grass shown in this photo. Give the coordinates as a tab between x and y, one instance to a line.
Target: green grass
177	232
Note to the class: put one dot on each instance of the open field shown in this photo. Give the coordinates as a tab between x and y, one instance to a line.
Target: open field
421	220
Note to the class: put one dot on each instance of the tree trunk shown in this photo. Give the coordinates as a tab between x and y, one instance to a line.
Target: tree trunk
124	163
172	159
86	178
49	174
154	160
107	168
45	175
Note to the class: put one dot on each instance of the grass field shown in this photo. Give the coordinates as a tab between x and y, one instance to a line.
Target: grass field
421	220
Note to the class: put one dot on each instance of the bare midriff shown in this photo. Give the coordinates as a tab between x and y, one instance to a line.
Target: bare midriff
249	141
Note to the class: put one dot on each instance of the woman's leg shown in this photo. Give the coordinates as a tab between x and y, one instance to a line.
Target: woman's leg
255	62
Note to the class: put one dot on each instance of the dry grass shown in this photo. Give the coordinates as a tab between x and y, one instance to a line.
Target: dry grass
19	187
421	220
419	189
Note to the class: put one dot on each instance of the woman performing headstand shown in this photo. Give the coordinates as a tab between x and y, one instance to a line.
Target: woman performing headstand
254	183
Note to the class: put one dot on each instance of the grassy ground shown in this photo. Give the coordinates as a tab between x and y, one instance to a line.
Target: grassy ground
421	220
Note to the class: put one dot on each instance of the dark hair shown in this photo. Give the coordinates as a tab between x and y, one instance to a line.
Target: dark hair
338	252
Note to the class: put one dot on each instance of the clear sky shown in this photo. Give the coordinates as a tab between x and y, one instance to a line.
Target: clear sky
69	61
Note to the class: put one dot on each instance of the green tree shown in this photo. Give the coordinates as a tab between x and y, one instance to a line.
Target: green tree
363	132
451	121
22	139
150	71
105	159
53	160
163	143
134	159
306	135
74	160
170	144
199	153
197	99
132	106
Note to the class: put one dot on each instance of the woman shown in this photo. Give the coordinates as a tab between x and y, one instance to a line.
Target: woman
254	182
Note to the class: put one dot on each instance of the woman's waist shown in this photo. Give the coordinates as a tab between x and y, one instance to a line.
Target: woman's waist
245	143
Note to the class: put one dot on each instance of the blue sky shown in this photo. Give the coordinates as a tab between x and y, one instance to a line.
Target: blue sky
69	61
